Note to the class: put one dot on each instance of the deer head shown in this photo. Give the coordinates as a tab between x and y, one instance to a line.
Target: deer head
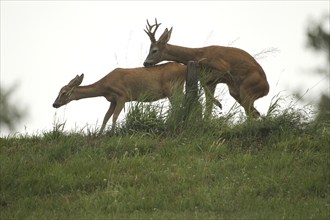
157	48
64	96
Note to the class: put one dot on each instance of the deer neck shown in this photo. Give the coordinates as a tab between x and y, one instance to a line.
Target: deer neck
183	54
82	92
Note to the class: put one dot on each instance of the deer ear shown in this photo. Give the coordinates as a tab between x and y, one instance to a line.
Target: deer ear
76	81
81	78
165	37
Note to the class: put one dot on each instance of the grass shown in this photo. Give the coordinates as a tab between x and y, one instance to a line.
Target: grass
272	168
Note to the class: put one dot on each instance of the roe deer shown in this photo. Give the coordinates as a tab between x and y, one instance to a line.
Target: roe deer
244	77
125	85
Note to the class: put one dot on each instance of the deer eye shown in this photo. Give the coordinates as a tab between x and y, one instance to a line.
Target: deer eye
65	94
153	51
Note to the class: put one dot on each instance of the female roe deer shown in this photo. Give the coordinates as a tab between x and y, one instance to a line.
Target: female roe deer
125	85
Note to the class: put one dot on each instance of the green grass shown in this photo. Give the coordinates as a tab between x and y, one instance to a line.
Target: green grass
272	168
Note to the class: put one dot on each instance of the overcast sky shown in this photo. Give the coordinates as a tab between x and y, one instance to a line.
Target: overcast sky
45	44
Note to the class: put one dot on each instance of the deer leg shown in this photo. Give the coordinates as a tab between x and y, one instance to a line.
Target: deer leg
107	116
209	90
120	105
234	92
247	101
250	110
251	89
242	97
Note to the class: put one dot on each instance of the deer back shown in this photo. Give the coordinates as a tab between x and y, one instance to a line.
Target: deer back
147	84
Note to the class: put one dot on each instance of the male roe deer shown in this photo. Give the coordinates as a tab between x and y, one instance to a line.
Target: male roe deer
124	85
244	77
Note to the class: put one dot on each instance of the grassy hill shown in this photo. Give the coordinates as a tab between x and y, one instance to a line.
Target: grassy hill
157	167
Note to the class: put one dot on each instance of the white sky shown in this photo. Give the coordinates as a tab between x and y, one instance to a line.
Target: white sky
44	44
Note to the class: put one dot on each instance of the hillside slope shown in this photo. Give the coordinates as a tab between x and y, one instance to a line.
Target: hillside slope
272	168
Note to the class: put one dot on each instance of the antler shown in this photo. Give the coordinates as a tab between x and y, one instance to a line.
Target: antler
149	30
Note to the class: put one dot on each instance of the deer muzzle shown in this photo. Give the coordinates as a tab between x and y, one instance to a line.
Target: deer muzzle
147	64
56	105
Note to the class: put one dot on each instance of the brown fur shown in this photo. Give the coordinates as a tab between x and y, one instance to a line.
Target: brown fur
125	85
244	77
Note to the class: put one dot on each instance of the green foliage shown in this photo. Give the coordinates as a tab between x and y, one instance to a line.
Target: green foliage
318	36
324	109
318	39
10	114
271	168
143	117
